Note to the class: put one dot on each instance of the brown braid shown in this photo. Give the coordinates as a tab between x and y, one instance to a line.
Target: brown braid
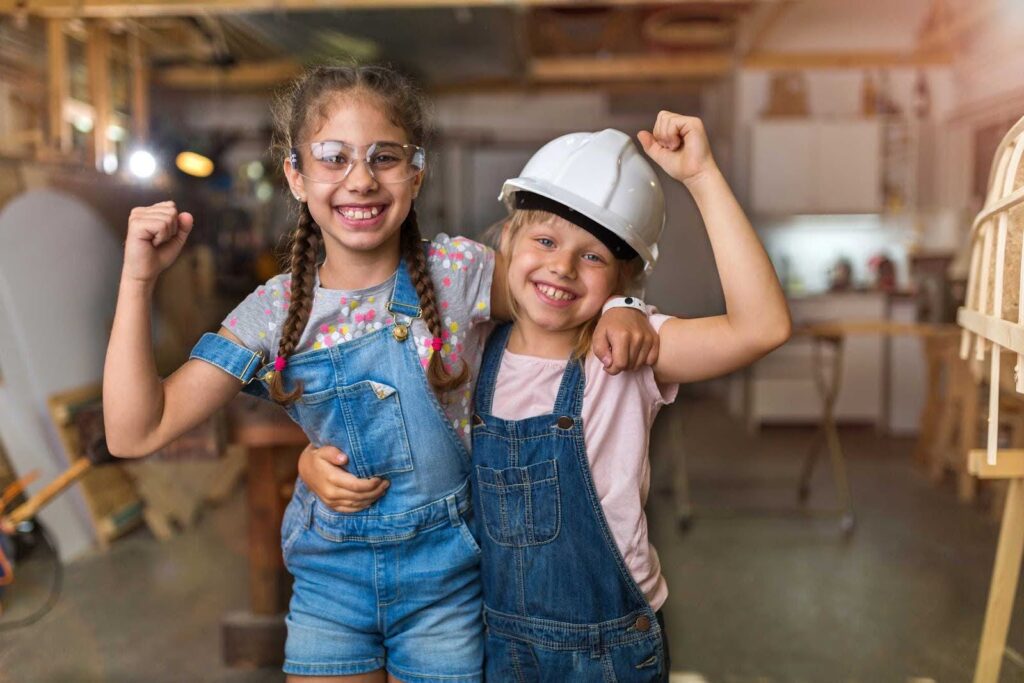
305	247
441	378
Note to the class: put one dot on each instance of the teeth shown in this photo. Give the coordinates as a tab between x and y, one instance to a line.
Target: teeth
556	294
361	214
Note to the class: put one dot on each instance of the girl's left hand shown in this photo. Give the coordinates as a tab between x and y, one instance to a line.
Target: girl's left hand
624	340
679	144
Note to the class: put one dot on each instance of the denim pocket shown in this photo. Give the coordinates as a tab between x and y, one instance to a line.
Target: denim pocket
292	525
467	537
521	506
378	441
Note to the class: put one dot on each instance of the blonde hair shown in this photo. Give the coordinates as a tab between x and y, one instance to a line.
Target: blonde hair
503	235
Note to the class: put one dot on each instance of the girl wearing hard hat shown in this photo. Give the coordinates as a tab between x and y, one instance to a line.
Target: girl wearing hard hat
572	586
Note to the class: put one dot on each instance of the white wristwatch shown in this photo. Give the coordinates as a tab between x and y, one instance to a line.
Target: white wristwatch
625	302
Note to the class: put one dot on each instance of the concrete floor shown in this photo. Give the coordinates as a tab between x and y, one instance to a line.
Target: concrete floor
756	597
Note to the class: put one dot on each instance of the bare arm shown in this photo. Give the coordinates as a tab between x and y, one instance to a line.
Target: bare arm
141	412
757	317
500	308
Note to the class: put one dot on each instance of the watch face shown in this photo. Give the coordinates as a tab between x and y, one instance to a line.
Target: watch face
629	301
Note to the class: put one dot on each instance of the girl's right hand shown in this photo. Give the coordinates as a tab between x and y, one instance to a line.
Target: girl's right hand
323	471
156	235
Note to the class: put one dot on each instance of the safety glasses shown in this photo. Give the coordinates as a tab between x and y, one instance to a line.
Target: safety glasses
388	162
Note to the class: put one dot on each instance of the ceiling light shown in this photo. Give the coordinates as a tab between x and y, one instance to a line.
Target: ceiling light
194	164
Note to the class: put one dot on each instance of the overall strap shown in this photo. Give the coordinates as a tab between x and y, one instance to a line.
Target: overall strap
404	300
570	392
230	357
488	376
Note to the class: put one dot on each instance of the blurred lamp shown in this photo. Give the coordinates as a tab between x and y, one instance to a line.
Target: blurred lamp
194	164
110	163
142	164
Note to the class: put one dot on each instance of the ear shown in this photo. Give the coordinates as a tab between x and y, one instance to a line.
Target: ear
506	236
417	183
295	180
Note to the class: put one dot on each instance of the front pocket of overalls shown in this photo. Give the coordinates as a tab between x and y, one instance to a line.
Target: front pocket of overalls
293	524
521	506
378	441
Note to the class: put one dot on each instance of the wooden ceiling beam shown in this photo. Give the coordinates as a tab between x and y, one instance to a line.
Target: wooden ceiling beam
245	76
629	67
846	60
168	8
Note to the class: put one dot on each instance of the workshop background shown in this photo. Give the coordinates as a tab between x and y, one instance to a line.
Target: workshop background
815	514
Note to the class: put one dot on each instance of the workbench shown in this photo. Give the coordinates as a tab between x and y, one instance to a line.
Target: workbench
272	441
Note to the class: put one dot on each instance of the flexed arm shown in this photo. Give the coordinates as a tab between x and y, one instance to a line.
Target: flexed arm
141	412
757	317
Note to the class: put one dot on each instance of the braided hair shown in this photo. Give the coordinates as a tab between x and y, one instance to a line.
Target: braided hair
308	102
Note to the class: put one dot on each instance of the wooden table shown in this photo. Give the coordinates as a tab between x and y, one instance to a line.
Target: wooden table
255	637
833	334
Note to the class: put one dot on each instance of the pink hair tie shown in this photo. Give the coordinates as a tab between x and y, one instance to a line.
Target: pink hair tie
436	343
279	363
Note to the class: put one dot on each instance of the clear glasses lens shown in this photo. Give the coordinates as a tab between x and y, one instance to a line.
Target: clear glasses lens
332	160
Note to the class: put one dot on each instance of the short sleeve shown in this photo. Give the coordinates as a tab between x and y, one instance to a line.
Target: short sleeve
462	271
661	394
257	320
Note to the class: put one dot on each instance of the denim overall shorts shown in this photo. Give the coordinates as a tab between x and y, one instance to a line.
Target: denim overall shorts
397	585
559	603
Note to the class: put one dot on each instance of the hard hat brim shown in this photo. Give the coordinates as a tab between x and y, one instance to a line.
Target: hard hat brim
596	213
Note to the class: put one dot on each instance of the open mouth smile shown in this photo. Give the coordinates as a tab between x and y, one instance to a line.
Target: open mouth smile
361	213
555	296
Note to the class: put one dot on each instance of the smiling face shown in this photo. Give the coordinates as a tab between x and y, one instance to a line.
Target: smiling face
359	217
559	276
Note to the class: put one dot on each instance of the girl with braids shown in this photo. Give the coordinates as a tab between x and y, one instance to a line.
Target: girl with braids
371	342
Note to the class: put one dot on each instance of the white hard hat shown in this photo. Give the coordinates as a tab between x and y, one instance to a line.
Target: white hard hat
604	177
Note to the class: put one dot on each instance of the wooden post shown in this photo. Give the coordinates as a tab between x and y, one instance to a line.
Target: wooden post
1010	464
98	60
58	85
267	579
140	87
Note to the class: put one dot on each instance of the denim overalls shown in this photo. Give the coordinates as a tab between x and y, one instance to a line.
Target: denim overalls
398	584
559	603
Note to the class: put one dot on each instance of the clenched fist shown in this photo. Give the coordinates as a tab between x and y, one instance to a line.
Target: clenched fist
156	235
679	145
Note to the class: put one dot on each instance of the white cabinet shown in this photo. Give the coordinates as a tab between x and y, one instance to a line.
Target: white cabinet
816	166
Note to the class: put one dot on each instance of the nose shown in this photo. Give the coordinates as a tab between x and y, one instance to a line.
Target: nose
359	178
563	264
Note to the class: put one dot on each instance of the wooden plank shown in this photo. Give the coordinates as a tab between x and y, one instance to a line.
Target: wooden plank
58	86
140	87
1009	335
752	32
1005	574
239	77
179	8
98	60
630	67
1008	465
859	59
1000	207
268	587
111	499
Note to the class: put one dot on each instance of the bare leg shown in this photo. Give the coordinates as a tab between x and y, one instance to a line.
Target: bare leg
379	676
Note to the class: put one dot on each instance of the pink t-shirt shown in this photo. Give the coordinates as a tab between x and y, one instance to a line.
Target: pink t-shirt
618	411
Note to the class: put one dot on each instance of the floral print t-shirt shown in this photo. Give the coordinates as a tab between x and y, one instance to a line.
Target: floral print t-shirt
462	271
